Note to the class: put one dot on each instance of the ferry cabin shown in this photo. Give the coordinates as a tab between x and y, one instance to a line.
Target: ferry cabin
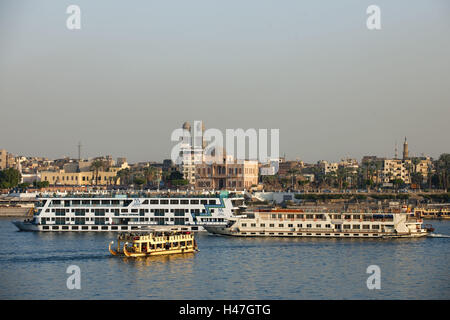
127	214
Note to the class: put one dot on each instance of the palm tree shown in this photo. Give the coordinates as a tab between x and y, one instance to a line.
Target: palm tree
96	166
443	170
293	172
124	176
429	175
150	174
378	169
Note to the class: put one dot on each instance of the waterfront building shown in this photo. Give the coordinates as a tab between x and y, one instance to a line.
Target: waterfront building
285	167
192	151
424	166
3	157
328	167
396	169
350	164
85	178
229	174
7	160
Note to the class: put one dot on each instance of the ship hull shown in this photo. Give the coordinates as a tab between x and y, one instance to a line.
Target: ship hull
26	226
310	234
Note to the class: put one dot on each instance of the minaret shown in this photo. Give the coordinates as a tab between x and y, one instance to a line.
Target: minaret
405	150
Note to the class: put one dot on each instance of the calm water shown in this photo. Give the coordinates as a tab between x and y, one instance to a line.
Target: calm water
33	266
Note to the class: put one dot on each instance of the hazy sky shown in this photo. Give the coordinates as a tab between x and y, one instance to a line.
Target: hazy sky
134	73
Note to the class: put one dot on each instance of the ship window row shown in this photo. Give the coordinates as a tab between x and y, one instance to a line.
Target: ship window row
332	216
68	203
101	212
59	220
358	227
297	216
309	225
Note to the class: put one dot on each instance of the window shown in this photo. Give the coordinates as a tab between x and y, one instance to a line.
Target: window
179	212
281	225
99	212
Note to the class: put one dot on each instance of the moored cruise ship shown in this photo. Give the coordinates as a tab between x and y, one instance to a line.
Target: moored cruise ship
318	223
122	213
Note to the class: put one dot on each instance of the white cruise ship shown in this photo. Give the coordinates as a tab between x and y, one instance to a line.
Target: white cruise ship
122	213
319	223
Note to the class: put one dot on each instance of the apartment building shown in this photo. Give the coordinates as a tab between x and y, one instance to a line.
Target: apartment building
396	169
328	167
3	158
7	160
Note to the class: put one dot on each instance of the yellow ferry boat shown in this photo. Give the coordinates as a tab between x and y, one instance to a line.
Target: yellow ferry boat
154	243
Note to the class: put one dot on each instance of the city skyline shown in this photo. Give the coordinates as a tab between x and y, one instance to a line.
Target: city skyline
127	79
396	154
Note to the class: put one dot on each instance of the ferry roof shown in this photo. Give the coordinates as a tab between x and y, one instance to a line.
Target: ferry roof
136	196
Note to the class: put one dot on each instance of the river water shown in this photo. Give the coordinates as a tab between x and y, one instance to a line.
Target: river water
34	266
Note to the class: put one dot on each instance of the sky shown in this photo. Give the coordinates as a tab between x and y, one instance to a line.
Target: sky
134	73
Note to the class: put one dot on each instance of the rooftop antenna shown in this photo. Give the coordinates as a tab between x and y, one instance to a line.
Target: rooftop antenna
79	151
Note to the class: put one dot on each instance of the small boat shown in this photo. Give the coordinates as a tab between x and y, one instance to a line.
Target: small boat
154	243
